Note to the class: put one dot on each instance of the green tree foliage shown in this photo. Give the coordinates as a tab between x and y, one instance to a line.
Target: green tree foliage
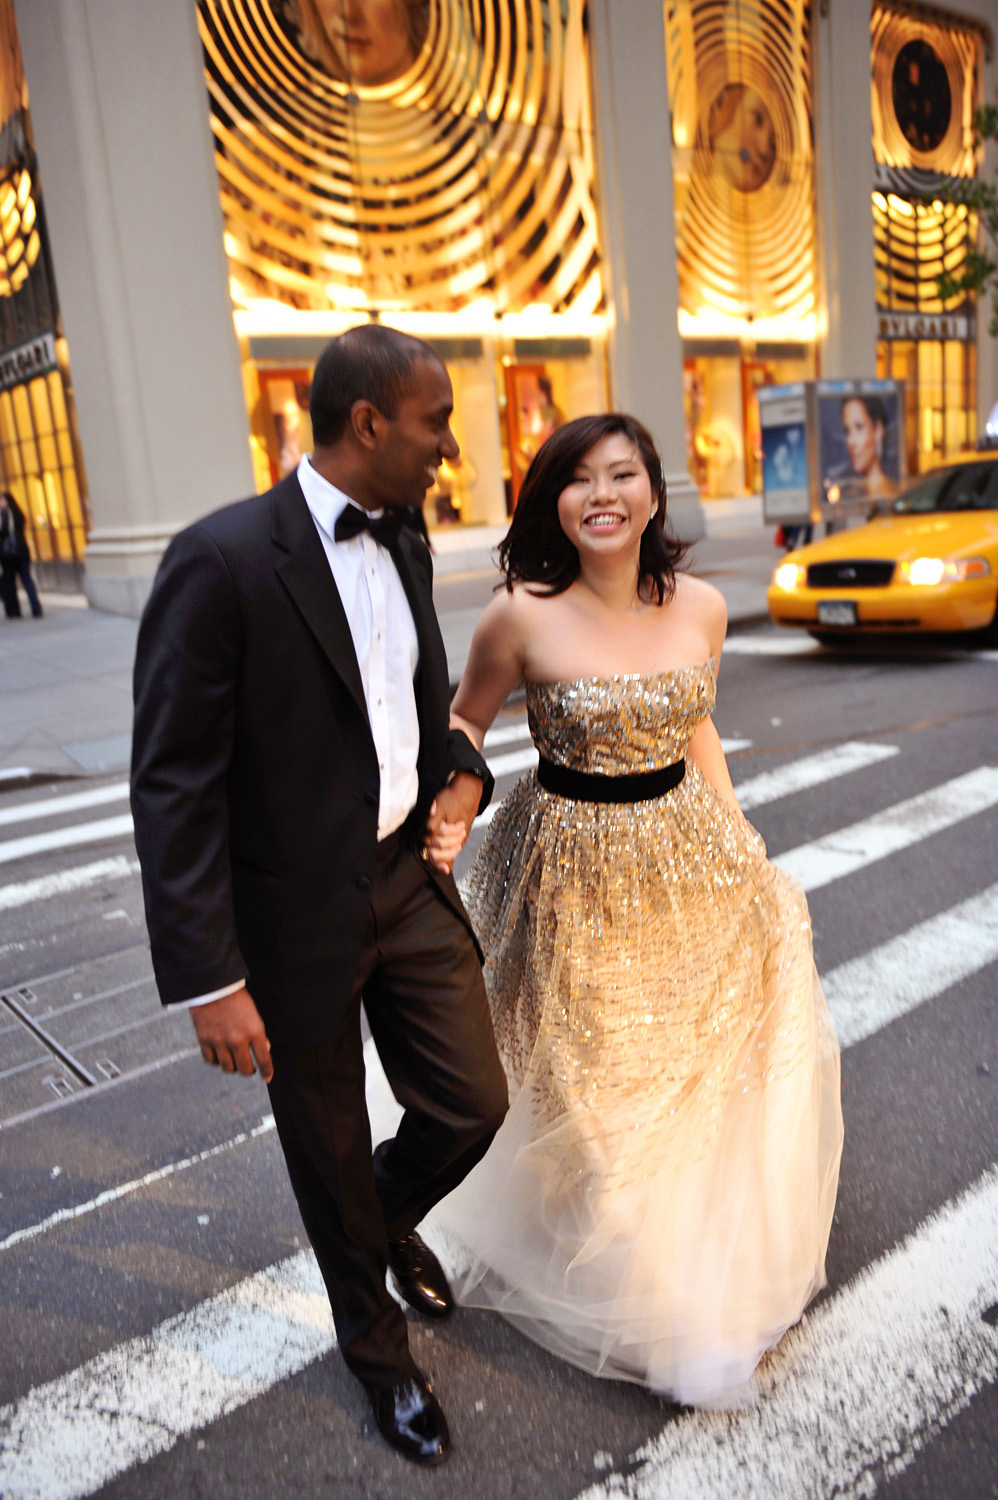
979	272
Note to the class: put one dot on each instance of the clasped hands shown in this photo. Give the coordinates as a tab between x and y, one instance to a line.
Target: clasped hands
452	813
230	1031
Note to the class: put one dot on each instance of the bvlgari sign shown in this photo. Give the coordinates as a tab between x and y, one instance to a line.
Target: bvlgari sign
920	326
36	357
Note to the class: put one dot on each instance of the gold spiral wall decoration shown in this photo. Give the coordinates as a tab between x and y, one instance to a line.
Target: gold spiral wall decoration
898	35
740	93
925	88
465	176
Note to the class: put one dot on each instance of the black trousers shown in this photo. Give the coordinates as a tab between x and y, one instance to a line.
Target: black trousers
12	569
421	984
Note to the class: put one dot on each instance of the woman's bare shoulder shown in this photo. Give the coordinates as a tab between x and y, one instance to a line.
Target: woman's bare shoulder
700	598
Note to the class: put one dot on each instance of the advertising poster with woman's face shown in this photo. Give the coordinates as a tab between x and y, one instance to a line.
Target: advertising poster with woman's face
859	430
783	419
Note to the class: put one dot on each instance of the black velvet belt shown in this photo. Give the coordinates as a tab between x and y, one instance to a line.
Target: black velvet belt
581	786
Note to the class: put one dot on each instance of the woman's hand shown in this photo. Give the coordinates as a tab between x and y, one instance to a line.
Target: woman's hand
451	815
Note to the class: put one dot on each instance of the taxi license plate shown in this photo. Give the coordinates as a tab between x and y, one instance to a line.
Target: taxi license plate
837	612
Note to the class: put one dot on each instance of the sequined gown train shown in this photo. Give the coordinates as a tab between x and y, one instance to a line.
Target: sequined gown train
657	1205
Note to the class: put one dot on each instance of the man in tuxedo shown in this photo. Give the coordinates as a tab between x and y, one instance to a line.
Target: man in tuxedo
299	800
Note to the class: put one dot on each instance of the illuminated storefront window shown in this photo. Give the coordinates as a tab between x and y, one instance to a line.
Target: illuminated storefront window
743	170
39	453
425	162
925	88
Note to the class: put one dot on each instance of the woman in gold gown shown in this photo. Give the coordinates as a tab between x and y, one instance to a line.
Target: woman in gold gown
657	1205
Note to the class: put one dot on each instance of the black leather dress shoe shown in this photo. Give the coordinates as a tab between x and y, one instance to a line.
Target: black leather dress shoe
411	1418
419	1276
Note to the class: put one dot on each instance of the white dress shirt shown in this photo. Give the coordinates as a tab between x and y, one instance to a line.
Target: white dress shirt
384	638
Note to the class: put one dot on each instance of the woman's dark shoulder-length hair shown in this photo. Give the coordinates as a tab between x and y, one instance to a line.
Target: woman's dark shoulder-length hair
535	549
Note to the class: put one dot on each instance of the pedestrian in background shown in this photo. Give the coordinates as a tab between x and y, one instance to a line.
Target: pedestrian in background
15	558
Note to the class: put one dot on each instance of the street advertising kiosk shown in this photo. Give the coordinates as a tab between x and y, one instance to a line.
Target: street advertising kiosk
831	448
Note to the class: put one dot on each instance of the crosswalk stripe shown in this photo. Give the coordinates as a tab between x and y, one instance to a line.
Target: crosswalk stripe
809	771
25	811
514	761
26	892
66	838
895	828
771	645
912	1321
70	1437
505	734
859	1387
871	991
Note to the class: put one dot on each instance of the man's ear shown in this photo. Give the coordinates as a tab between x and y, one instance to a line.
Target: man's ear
366	423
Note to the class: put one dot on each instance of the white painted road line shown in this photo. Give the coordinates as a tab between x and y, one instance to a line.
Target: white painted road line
26	892
911	1323
66	838
849	849
16	773
506	734
514	761
125	1189
72	1436
811	770
857	1389
871	991
72	803
771	645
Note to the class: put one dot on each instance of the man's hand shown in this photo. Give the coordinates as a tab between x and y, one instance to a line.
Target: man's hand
232	1034
451	815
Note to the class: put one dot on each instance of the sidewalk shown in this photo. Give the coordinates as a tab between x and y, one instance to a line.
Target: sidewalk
65	680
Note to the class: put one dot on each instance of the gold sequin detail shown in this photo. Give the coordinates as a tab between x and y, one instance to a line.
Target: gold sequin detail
644	961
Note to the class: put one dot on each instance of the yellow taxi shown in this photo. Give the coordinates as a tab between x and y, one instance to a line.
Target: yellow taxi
926	561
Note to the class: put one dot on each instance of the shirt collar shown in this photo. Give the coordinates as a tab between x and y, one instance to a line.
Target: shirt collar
325	502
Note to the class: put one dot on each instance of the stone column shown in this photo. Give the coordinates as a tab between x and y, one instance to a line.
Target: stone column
844	168
120	117
637	219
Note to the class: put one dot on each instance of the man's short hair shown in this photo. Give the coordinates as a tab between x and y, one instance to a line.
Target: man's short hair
368	363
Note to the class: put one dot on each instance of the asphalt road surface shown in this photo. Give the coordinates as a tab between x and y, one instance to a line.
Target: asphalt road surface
164	1328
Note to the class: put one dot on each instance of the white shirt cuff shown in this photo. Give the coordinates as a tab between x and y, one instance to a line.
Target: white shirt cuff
229	989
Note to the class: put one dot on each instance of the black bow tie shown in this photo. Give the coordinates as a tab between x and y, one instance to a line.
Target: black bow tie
352	521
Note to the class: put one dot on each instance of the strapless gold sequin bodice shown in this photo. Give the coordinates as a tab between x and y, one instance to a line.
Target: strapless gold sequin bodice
615	726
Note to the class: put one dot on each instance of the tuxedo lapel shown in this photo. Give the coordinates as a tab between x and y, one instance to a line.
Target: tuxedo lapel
303	569
432	670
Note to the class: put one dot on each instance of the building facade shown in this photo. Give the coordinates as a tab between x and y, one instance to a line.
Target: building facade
661	207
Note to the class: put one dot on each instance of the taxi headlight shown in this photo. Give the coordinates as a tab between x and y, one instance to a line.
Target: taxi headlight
790	575
928	571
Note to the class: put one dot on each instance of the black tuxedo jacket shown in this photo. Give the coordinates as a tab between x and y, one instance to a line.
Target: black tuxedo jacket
255	780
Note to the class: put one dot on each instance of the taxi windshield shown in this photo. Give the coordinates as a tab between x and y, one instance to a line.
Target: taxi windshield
971	486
